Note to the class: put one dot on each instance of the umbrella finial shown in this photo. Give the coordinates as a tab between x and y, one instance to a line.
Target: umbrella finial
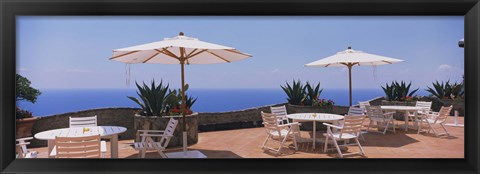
349	47
181	34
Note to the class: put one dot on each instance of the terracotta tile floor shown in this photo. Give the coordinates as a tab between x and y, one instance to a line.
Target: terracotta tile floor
246	143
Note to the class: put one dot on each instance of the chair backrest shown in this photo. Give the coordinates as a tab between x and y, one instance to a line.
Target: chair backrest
270	122
374	112
356	111
352	125
423	104
443	114
78	147
280	112
83	121
363	104
169	130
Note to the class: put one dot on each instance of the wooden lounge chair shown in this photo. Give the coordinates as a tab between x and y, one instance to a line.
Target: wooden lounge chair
435	118
376	115
147	142
281	113
22	150
351	129
79	147
83	121
279	133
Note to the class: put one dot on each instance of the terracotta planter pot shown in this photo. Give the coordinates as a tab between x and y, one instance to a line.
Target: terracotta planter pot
159	123
24	127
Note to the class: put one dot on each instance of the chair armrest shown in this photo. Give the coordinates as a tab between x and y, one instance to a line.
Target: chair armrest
331	125
23	139
23	143
156	135
389	113
150	131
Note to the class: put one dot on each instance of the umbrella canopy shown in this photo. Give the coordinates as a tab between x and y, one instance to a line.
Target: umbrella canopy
350	58
179	50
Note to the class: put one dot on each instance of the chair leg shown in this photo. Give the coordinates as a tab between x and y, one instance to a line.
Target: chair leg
386	127
445	129
337	147
360	147
393	125
326	144
282	144
369	124
162	154
265	142
295	141
431	128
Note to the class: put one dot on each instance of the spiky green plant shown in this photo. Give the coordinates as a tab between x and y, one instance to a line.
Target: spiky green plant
398	91
312	94
153	99
295	92
389	91
445	90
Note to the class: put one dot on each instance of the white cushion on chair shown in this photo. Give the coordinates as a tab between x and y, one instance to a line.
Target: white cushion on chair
283	133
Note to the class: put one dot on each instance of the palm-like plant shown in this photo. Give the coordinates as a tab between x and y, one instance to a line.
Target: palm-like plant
295	92
445	90
398	91
312	94
153	99
175	100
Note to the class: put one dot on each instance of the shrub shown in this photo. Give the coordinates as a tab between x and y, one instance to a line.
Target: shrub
153	99
295	93
446	90
398	91
312	94
175	102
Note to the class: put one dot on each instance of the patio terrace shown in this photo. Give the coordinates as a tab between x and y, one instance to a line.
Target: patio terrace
246	143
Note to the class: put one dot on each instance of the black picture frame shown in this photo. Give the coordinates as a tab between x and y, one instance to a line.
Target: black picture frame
9	9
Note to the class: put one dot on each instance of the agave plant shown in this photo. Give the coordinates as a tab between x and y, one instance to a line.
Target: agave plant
389	91
398	91
312	94
153	99
445	90
295	92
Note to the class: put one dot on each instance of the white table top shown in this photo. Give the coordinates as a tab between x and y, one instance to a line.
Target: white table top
405	108
78	132
319	117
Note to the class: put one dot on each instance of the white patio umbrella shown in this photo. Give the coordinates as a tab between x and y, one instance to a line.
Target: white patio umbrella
179	50
350	58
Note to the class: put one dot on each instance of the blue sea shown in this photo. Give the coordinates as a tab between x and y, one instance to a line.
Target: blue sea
57	101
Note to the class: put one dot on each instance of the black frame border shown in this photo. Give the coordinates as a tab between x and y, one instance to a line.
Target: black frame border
9	9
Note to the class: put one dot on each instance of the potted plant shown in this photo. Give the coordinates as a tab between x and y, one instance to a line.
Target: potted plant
24	118
153	103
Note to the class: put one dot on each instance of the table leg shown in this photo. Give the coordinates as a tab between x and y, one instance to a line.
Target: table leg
51	144
114	146
405	114
314	136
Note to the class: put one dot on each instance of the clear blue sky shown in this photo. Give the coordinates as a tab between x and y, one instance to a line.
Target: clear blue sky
73	52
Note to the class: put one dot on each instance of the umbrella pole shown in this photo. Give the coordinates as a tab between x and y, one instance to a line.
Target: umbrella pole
350	81
182	63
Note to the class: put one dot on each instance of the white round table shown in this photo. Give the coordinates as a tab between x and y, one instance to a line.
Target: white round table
110	132
314	117
405	110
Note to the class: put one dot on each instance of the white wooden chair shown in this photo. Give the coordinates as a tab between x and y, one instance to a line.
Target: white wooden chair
363	104
281	113
147	142
351	129
79	147
435	118
355	111
279	133
83	121
415	116
376	115
22	150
